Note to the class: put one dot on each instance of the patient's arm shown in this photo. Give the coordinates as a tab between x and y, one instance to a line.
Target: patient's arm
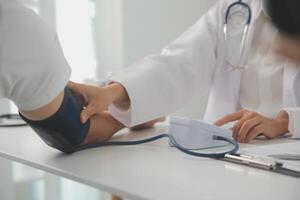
103	126
46	111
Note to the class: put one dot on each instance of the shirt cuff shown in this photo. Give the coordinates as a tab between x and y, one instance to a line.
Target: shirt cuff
123	116
294	119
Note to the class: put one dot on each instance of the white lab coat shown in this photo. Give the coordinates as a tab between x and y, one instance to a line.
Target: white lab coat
195	63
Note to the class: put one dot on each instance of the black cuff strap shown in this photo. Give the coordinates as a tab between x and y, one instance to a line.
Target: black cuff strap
63	130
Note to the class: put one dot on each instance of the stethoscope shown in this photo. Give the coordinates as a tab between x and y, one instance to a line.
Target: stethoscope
11	120
245	33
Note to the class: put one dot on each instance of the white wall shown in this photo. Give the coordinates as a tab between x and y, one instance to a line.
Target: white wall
150	25
109	23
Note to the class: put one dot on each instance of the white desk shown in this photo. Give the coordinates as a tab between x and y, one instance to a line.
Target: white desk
151	171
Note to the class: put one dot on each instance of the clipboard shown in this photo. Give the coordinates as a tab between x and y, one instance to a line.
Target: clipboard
262	163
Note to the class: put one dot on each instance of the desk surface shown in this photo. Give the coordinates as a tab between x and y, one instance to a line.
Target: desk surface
151	171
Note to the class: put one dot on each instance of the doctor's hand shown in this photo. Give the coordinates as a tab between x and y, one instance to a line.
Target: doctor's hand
97	99
250	125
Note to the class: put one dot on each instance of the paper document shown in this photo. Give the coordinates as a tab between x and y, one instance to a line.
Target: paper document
291	147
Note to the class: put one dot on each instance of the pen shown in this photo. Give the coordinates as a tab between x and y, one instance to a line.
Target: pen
286	156
252	161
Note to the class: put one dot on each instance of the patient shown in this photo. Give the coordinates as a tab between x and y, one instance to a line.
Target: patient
34	73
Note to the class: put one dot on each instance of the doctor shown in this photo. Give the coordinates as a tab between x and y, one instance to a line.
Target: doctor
248	83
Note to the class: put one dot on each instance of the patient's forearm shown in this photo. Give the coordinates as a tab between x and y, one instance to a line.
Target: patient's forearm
103	127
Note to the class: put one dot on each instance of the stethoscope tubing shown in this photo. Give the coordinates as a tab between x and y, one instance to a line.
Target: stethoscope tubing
246	30
173	141
238	3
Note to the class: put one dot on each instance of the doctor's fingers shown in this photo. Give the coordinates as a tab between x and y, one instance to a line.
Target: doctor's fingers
247	127
255	132
230	118
238	125
88	112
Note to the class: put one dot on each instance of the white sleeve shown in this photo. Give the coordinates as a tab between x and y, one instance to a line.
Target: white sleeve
34	69
161	84
294	119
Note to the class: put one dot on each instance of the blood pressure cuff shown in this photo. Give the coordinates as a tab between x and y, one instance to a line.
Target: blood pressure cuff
63	130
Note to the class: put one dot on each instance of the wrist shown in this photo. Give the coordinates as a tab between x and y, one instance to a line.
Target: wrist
283	120
117	93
